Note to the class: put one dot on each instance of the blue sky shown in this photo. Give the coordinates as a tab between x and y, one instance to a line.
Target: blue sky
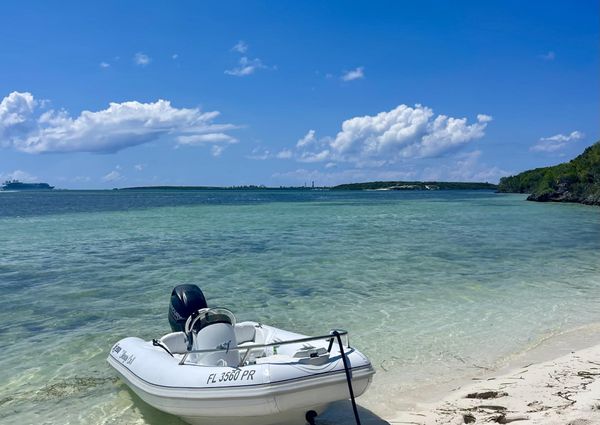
114	94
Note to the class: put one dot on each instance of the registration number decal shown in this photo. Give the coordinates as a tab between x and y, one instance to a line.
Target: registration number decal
234	375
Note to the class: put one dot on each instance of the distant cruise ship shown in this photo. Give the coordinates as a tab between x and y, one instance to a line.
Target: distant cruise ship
17	185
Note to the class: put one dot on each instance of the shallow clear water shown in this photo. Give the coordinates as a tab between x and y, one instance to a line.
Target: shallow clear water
431	285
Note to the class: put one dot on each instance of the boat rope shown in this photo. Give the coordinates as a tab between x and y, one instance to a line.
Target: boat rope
348	377
158	343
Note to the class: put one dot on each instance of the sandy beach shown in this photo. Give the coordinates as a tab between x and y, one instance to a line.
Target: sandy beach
564	390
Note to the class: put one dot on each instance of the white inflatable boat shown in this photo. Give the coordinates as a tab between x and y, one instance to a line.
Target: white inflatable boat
214	371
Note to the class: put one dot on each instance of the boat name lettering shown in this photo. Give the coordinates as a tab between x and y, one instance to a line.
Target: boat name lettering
234	375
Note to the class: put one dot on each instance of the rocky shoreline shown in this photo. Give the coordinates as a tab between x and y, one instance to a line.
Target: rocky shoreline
563	194
575	181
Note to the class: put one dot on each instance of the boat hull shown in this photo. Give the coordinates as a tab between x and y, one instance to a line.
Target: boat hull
275	391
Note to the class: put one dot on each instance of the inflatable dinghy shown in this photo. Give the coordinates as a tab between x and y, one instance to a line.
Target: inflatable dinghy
213	371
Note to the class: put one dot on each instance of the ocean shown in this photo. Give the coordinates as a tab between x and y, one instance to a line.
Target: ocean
433	286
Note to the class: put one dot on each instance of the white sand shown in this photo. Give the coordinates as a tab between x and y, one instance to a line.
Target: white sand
563	391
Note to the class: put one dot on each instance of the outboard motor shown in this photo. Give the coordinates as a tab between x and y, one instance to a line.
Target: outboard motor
185	300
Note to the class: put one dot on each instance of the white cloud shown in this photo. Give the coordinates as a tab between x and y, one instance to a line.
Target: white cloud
245	67
262	154
217	150
314	156
218	141
556	142
549	56
25	128
355	74
574	135
464	167
240	47
174	56
390	136
16	108
199	139
104	65
308	139
461	167
139	167
20	175
284	154
259	154
141	59
112	176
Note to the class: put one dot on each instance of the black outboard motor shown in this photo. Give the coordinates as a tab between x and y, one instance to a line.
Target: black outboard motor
185	300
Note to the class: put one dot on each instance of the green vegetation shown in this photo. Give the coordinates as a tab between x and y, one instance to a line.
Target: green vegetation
399	185
575	181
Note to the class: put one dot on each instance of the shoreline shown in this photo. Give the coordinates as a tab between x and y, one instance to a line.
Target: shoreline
557	381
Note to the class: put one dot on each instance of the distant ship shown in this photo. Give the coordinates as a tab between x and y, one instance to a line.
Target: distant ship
17	185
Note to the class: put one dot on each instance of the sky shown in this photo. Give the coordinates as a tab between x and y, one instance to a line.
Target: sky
115	94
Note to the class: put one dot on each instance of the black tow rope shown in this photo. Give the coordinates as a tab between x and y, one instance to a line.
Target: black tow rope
348	377
158	343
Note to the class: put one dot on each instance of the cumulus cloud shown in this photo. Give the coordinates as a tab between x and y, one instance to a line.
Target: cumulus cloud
240	47
24	126
104	65
200	139
217	150
262	154
308	139
403	133
246	66
284	154
20	175
112	176
141	59
556	142
355	74
139	167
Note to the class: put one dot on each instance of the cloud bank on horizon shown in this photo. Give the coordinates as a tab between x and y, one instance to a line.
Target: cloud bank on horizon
27	127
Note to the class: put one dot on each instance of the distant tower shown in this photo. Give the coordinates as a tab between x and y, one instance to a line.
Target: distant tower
313	184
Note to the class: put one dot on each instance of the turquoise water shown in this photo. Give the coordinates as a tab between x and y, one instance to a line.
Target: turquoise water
431	285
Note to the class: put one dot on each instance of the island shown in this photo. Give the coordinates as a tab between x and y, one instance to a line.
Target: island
575	181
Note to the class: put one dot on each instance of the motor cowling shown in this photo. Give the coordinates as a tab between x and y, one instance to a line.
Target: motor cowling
185	300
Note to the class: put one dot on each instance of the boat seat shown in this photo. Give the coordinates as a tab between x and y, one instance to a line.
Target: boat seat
213	328
245	333
310	351
176	342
